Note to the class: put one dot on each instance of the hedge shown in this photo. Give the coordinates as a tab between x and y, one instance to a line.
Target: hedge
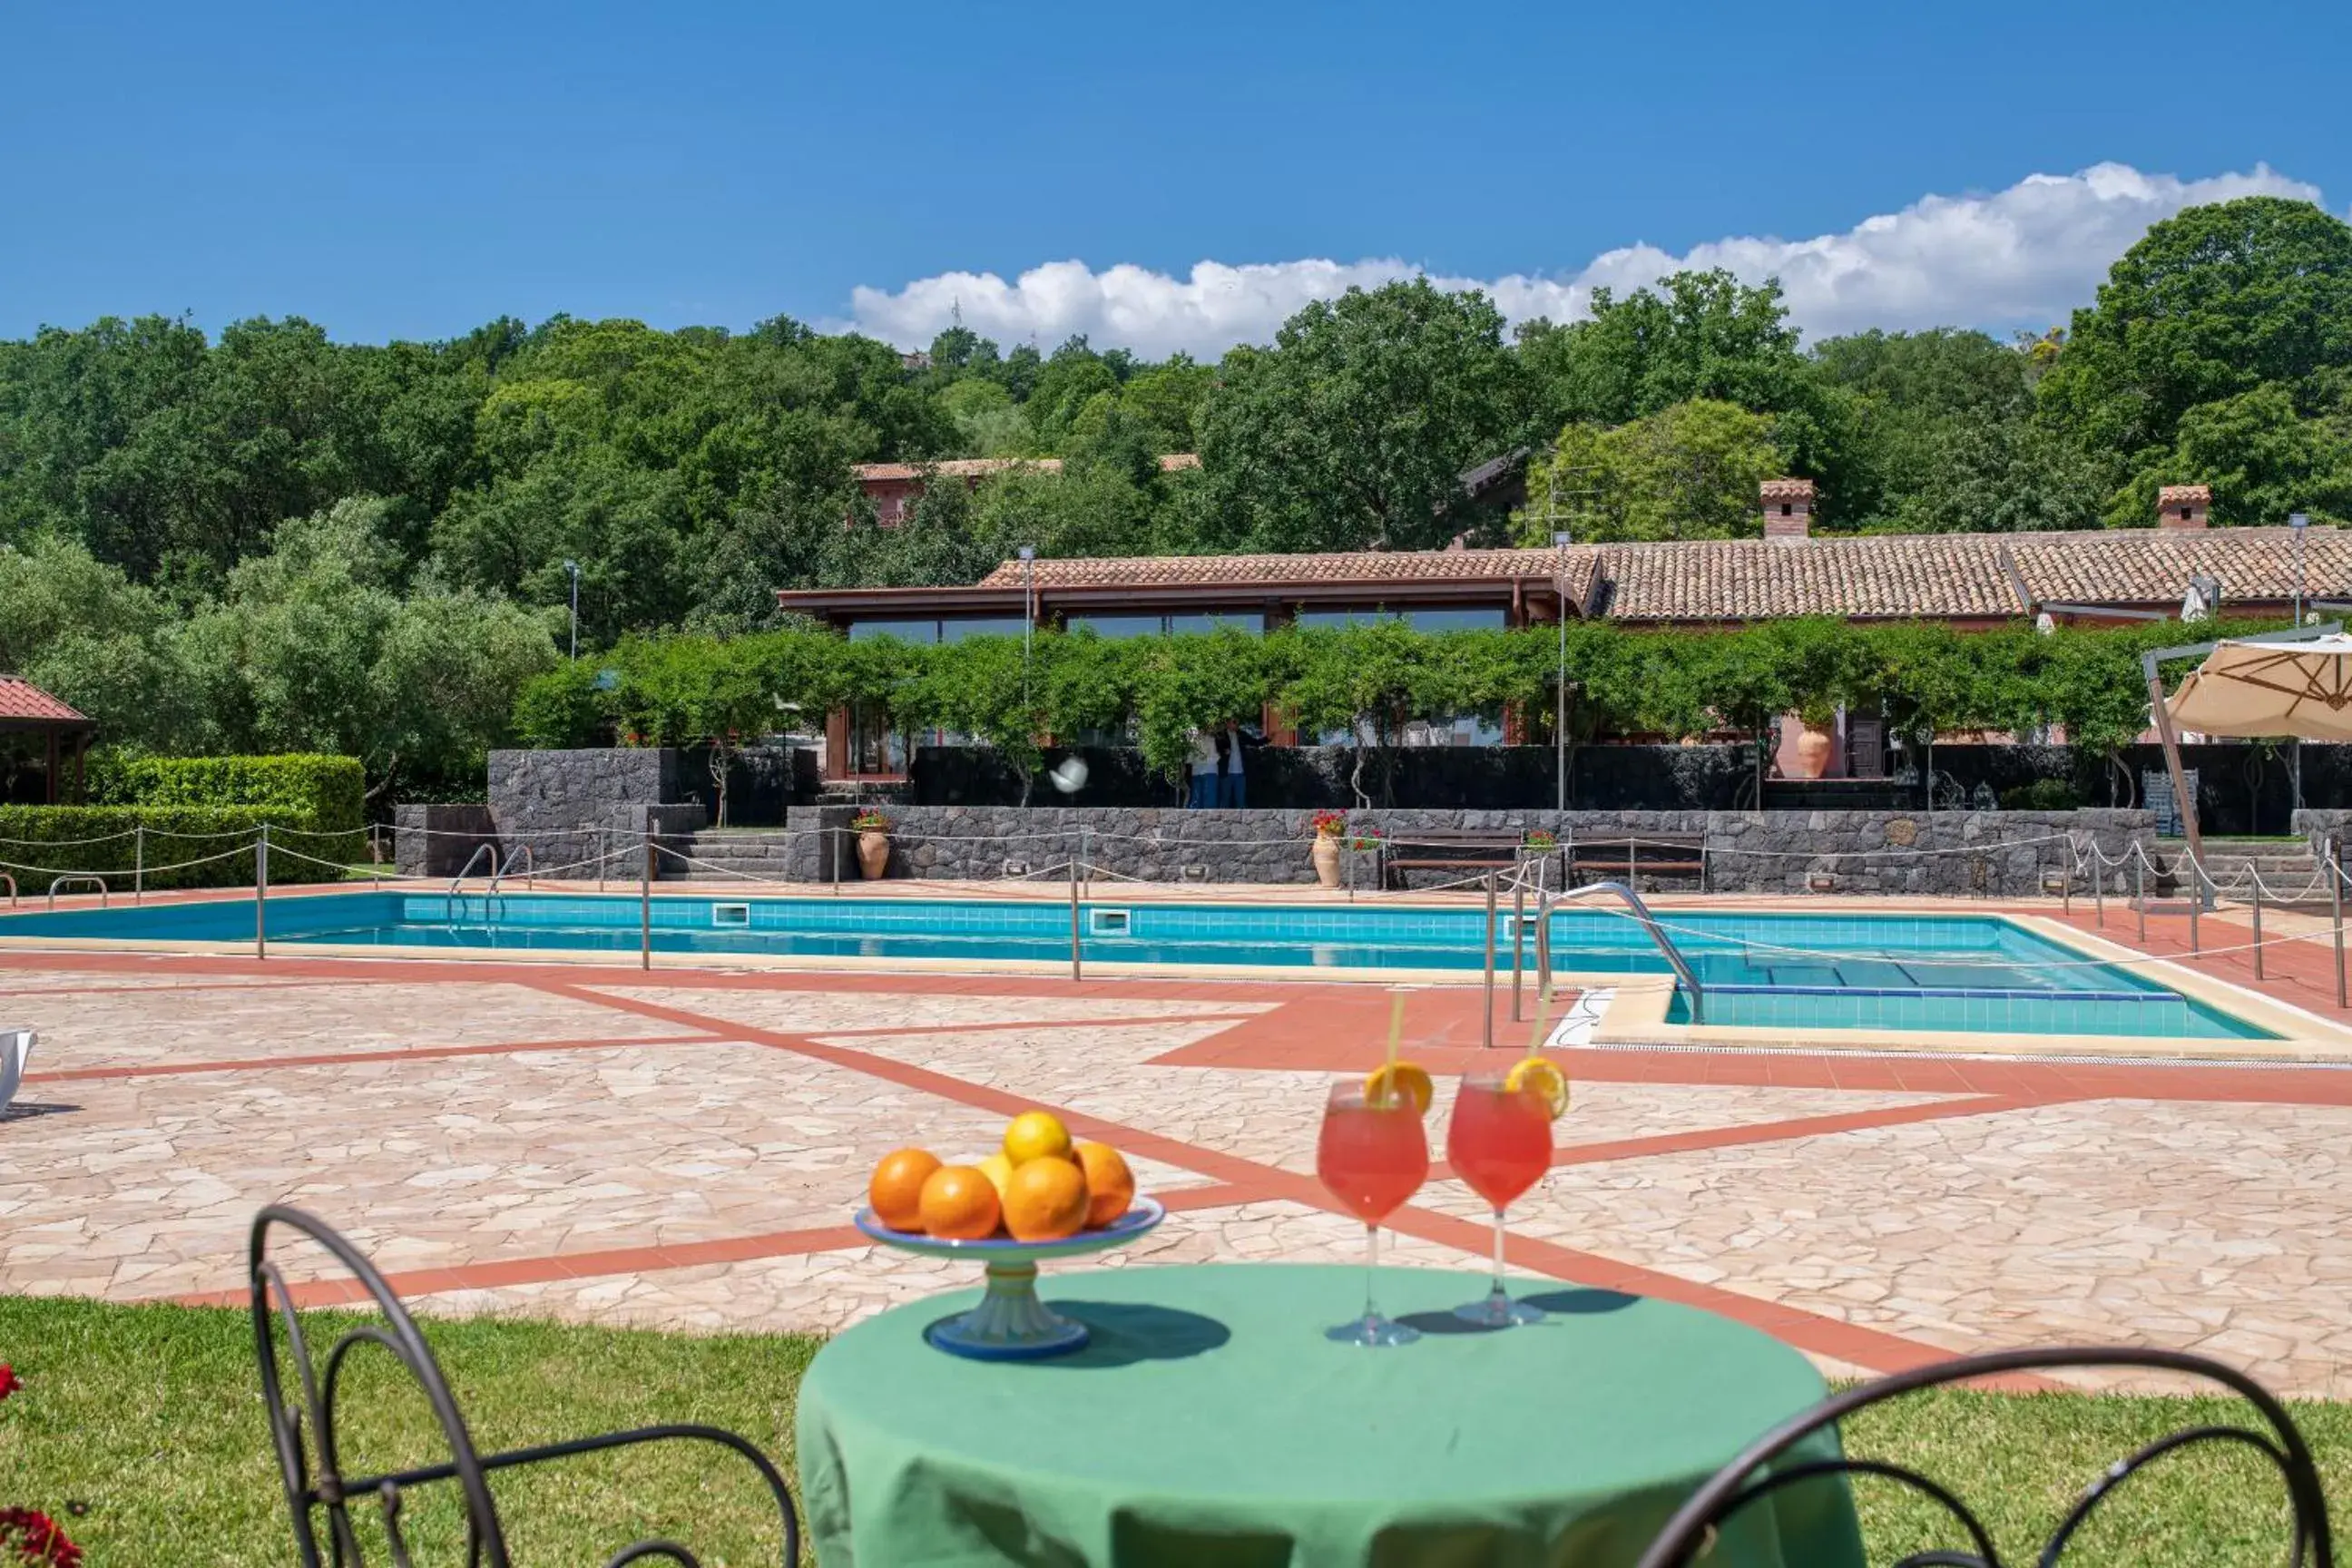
39	842
322	792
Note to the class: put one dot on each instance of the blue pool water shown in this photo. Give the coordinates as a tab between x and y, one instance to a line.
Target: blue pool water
1969	973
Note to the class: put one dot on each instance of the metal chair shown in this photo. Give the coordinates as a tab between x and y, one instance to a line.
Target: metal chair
1691	1533
313	1470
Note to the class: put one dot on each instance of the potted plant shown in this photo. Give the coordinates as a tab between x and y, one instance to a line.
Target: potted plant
1539	841
873	830
1328	826
1814	744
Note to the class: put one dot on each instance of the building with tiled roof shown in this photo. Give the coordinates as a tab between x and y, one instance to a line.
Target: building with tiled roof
65	731
1971	580
892	488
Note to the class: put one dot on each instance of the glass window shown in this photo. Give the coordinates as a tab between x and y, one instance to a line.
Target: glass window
1457	618
1437	618
1249	621
1115	626
924	631
980	627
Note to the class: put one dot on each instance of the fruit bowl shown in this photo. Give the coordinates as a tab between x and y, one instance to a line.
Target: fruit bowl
1011	1323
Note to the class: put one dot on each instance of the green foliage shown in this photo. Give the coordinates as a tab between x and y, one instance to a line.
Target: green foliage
1688	471
2042	794
324	792
38	842
1355	426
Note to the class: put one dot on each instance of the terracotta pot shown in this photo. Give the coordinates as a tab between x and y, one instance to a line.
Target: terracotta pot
1326	855
1813	760
873	854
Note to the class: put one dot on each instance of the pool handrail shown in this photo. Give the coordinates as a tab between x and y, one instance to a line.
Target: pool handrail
1649	923
529	868
61	881
457	882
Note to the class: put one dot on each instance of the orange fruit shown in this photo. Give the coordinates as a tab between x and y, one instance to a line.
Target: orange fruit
1046	1200
897	1190
960	1203
1036	1135
1110	1185
1410	1079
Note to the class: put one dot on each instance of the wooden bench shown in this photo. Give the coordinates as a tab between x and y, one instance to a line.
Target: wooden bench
1629	855
1451	848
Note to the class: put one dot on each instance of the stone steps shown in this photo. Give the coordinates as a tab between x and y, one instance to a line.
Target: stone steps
749	852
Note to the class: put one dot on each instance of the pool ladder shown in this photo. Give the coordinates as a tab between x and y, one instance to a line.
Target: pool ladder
1545	899
455	905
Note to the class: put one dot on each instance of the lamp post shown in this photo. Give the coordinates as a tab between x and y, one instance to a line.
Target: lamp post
2297	522
1560	686
1028	553
573	567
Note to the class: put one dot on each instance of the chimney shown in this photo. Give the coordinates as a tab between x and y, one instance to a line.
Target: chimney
1788	507
2182	506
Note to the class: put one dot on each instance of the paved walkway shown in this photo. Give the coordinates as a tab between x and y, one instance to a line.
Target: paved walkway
685	1149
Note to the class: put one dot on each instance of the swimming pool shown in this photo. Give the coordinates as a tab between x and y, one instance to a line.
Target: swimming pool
1972	974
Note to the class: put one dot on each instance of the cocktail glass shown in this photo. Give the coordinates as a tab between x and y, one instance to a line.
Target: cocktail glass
1499	1141
1372	1155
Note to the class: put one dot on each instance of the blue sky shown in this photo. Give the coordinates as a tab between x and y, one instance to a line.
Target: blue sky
414	170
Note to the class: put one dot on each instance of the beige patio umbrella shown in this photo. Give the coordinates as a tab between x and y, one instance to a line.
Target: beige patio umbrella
2255	690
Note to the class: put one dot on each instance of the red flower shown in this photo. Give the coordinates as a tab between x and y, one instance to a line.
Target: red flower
37	1539
9	1382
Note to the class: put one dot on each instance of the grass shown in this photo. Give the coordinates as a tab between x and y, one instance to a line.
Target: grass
151	1419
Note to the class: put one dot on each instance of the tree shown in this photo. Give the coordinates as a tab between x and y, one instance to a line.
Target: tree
1695	335
1353	431
2210	303
78	628
1689	471
2262	458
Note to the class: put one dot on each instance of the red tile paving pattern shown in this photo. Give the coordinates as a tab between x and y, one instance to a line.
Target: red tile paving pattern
685	1147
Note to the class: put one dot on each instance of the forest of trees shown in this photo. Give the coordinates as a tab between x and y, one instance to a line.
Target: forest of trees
267	539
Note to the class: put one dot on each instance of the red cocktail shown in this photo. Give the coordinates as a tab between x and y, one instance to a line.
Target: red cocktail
1499	1142
1372	1155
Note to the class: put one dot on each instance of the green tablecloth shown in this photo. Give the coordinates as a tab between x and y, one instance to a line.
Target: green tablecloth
1208	1421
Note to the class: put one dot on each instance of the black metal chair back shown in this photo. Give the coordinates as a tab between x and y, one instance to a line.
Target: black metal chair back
1748	1478
318	1494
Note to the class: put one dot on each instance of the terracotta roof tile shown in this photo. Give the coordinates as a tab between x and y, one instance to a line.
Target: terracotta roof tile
20	699
1786	489
2153	565
2170	494
980	467
1954	574
1369	567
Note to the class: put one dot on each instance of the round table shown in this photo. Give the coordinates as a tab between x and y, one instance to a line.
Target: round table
1209	1420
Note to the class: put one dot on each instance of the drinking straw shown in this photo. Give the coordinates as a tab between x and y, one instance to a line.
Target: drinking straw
1543	1018
1396	1029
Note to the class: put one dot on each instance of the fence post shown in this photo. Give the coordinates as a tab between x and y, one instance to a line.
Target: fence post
835	836
139	863
1486	1015
1077	966
1518	940
2258	925
1543	951
2139	893
645	904
2099	884
2196	900
2336	902
261	894
603	856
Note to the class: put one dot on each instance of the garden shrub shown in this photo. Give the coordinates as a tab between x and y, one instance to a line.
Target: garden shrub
2042	794
325	793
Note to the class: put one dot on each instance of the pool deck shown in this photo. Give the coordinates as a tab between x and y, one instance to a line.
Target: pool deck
685	1147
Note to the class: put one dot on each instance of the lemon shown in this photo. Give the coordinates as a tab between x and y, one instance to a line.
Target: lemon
1541	1078
1406	1079
1036	1135
997	1169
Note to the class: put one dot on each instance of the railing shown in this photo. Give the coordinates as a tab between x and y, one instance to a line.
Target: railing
530	870
457	882
98	882
1649	923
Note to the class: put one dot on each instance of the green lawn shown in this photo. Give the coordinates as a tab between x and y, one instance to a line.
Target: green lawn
150	1417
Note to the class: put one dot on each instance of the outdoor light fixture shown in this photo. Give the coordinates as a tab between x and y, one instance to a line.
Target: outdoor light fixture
1028	553
2297	522
573	567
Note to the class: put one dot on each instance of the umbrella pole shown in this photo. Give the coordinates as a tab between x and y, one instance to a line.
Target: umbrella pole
2172	766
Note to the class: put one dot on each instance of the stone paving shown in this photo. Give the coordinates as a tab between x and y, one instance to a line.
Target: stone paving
685	1150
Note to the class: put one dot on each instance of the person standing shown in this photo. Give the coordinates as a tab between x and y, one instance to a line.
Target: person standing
1237	790
1204	773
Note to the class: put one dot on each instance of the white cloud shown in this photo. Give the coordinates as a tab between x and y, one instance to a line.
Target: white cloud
2024	255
